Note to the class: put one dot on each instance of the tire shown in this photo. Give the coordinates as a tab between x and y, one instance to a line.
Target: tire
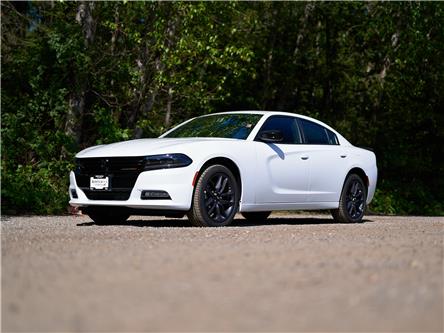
110	217
255	217
215	199
352	202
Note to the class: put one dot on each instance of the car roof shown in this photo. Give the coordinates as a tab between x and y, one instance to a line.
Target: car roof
269	113
343	140
254	112
273	113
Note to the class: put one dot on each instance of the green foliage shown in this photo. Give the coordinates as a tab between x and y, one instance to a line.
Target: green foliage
412	199
75	74
108	127
35	189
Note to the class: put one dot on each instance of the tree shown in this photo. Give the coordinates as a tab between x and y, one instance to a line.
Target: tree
75	74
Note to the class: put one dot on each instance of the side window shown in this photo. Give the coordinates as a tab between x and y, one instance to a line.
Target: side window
332	138
287	125
316	134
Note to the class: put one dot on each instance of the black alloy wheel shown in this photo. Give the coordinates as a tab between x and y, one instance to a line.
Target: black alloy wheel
216	198
352	202
219	197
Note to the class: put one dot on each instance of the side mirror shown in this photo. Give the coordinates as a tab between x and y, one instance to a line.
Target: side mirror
271	136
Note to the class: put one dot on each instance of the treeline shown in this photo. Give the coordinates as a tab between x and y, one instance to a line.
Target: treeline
75	74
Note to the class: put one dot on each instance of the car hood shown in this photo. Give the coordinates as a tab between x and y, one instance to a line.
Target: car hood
142	147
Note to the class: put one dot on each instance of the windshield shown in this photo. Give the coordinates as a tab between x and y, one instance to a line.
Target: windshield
234	126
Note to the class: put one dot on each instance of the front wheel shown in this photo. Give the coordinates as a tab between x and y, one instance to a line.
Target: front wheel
352	201
215	199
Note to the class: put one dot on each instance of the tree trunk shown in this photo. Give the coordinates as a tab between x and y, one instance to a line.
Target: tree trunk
85	19
329	63
309	7
144	96
76	102
168	108
268	91
74	117
146	108
170	43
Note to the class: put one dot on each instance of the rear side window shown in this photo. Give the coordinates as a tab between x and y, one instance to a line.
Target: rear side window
287	125
316	134
332	138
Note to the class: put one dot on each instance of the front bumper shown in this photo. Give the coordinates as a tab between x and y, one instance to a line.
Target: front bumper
177	182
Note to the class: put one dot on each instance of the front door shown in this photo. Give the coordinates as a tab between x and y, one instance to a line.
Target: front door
283	168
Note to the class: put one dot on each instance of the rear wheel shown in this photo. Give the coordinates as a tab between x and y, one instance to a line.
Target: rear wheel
255	217
108	217
352	202
215	199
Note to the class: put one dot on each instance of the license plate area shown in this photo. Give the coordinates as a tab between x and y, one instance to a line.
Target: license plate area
99	183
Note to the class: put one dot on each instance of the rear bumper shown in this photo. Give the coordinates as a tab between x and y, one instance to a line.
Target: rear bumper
177	182
372	175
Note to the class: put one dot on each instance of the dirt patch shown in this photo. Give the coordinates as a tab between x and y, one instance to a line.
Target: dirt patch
295	273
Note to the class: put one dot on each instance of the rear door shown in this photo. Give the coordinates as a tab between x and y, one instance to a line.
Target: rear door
328	162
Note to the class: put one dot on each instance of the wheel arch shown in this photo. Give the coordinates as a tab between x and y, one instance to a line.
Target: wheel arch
361	173
227	162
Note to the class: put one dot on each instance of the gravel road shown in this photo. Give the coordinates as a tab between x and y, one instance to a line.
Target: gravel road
295	273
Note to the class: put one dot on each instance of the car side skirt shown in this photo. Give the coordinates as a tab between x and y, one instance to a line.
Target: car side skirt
287	206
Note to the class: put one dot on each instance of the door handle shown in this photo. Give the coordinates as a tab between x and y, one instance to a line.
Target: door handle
343	156
304	157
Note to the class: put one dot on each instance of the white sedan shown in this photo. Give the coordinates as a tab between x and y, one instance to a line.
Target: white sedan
212	167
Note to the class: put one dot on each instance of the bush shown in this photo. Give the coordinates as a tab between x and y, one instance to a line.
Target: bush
41	189
405	199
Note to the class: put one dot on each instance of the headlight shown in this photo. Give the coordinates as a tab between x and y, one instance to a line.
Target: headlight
166	161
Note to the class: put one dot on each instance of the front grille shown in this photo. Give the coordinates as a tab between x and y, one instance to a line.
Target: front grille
107	195
122	173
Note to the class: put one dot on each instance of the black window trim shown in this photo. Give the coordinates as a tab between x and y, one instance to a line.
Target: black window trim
336	137
296	119
305	142
301	132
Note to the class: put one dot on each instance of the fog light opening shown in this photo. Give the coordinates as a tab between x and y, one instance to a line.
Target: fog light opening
155	195
74	194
